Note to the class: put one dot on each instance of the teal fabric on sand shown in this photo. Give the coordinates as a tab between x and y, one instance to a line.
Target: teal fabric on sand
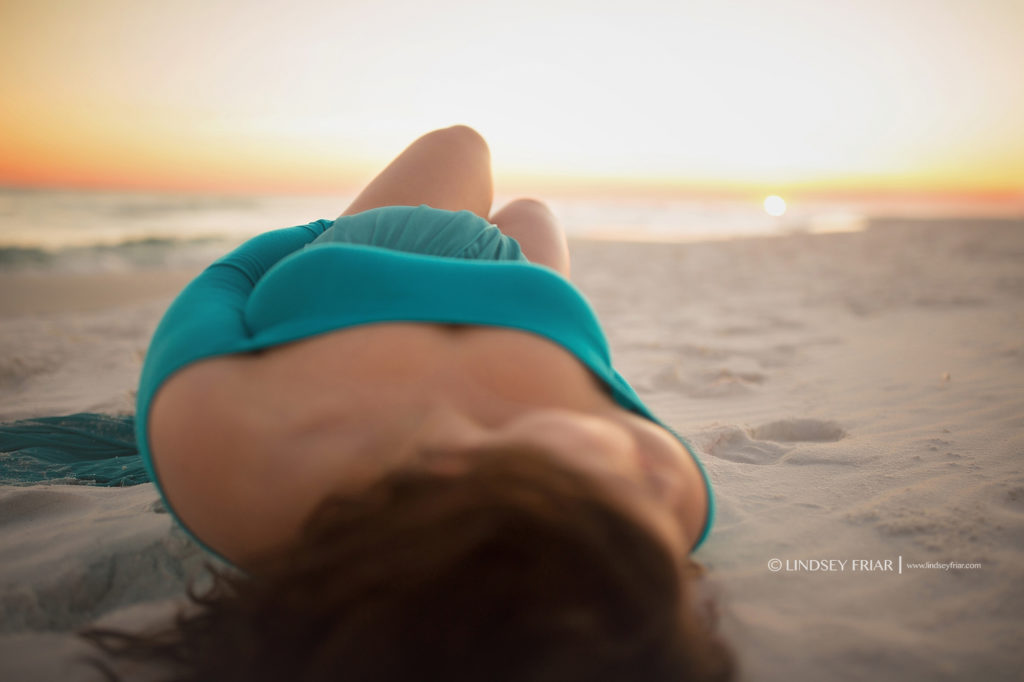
273	290
84	449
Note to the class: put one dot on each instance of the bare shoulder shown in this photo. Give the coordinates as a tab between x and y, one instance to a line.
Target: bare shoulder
675	469
194	411
212	454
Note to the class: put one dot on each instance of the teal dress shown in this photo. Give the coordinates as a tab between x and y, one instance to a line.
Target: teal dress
410	264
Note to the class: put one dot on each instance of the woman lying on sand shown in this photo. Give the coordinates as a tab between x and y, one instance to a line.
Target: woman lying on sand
404	428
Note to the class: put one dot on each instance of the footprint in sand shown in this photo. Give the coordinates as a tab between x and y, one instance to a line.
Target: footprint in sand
761	444
733	443
799	431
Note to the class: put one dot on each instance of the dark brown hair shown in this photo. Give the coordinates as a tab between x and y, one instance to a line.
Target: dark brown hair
515	569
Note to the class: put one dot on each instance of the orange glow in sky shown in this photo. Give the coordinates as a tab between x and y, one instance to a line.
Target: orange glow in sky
315	95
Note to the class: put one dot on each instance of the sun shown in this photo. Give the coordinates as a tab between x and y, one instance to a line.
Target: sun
774	205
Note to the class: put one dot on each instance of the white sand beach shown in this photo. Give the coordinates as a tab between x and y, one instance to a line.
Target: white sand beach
858	398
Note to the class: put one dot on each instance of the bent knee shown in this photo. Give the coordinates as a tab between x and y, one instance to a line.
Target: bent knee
465	133
460	136
528	204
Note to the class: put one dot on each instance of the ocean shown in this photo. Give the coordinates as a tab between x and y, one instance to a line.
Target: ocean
103	231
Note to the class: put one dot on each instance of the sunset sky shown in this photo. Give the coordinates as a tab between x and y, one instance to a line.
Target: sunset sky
690	96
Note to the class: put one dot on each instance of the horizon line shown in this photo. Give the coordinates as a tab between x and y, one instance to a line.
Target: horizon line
574	188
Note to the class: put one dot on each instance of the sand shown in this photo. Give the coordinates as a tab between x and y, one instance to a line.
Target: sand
857	399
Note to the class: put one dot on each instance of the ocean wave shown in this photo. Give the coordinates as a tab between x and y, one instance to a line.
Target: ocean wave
129	254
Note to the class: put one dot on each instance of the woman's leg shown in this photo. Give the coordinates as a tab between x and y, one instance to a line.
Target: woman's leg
534	226
448	168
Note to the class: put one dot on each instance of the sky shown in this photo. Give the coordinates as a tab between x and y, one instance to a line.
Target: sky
687	97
